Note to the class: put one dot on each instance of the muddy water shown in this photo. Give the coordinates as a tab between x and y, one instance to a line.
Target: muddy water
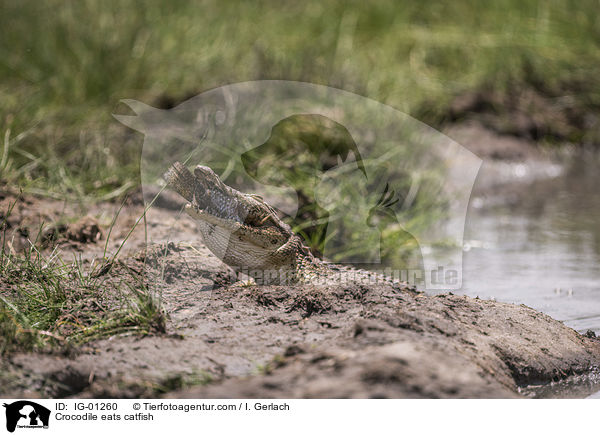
538	242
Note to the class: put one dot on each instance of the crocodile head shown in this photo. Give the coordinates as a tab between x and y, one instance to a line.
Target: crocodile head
239	228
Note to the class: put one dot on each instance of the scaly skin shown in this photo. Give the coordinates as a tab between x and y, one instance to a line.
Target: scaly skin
246	233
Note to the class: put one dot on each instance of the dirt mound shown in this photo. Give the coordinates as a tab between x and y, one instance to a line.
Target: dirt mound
529	113
228	339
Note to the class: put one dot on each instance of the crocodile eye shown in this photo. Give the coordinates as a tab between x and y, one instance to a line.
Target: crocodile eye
274	241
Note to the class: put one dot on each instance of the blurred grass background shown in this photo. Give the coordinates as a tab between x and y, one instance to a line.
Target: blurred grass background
64	66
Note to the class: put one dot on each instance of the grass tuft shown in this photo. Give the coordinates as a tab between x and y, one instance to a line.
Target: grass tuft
46	301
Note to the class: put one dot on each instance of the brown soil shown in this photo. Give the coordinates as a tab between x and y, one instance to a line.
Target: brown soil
529	113
228	339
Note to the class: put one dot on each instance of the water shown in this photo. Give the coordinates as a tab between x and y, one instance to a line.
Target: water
574	387
538	242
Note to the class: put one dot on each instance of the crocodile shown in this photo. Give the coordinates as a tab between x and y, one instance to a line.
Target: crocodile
247	234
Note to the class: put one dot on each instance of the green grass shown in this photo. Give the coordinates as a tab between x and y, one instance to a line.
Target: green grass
45	301
64	65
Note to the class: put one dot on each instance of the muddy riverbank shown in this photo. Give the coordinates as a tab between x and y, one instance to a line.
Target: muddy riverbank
223	338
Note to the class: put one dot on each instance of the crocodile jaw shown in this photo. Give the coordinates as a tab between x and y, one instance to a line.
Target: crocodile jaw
240	229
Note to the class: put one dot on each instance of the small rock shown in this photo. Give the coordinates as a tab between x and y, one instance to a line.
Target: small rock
292	350
85	230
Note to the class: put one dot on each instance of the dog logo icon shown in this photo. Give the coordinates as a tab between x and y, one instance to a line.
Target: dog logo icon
26	414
